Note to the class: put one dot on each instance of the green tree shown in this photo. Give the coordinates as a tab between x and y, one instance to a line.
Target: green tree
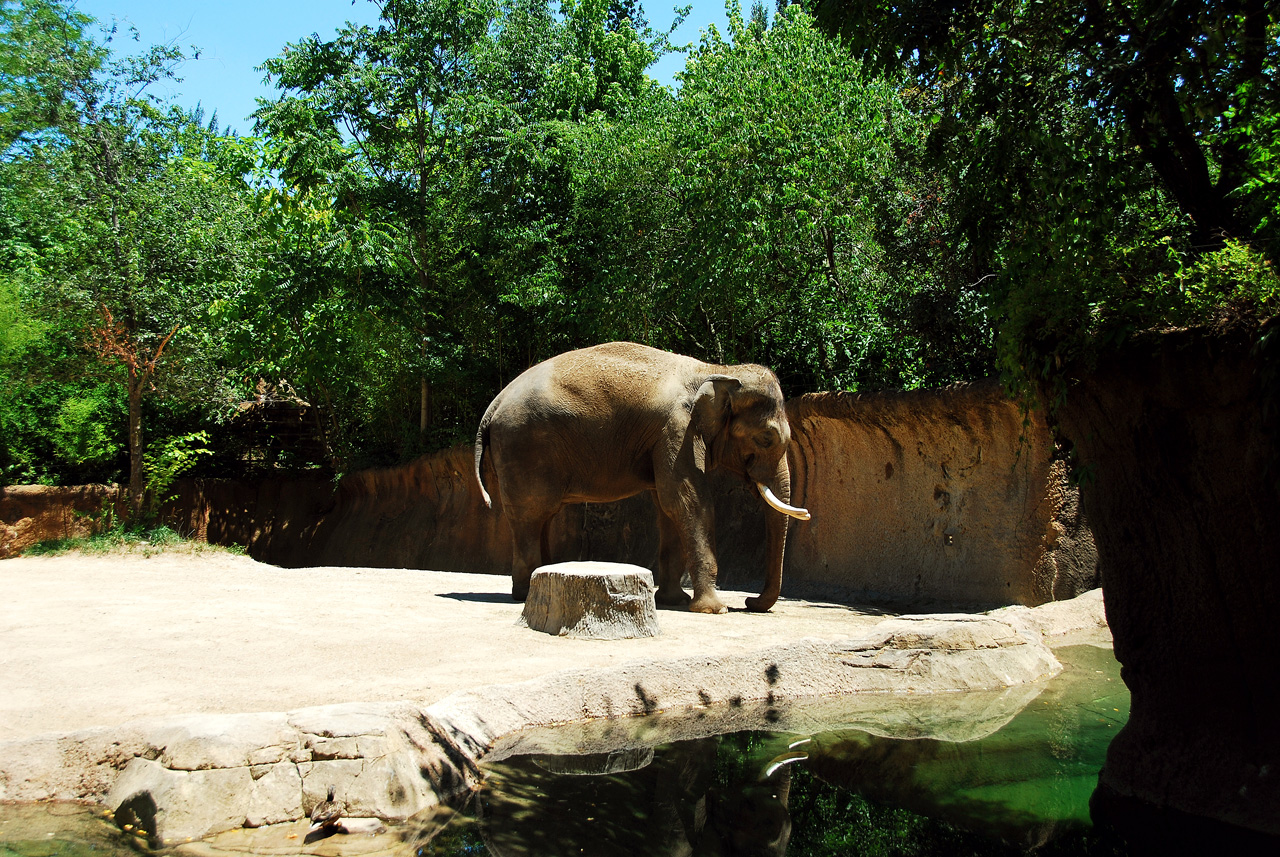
1090	155
373	124
42	46
132	219
434	152
779	143
1193	85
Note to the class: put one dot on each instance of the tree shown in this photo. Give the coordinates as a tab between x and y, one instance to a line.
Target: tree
375	120
42	46
435	150
1193	85
1098	158
778	145
148	220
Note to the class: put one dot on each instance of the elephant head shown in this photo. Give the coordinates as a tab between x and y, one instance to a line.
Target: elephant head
743	420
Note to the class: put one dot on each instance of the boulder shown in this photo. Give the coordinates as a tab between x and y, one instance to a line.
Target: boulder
1177	437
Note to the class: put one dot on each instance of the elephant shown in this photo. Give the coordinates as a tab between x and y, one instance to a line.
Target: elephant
604	423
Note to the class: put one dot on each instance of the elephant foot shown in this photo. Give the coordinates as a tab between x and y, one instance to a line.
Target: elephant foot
757	605
520	594
708	604
675	598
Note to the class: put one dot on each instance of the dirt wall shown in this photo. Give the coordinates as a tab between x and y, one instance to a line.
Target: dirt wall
930	496
948	494
36	513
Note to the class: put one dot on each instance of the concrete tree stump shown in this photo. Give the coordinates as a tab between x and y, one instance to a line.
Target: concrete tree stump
599	600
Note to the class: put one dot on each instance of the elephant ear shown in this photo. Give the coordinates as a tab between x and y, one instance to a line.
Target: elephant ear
712	409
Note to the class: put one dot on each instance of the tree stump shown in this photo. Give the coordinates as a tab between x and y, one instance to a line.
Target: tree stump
600	600
596	764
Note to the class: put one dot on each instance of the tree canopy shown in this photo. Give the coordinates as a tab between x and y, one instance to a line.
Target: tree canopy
1106	161
871	195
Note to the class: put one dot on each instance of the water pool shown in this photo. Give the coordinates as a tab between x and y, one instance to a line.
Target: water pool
1025	786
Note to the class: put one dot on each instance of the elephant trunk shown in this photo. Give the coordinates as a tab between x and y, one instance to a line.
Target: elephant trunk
778	497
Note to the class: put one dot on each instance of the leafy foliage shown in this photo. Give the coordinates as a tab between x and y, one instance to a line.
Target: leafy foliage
1090	153
82	434
779	145
169	460
444	198
122	222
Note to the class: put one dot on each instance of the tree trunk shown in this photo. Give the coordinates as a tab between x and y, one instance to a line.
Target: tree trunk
600	600
424	416
137	477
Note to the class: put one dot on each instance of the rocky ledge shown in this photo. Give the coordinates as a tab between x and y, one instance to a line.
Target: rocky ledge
180	778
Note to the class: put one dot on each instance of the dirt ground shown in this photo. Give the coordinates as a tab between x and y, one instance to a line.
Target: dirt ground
90	641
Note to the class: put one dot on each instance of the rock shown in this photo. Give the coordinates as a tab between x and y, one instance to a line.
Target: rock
194	776
171	805
600	600
1178	433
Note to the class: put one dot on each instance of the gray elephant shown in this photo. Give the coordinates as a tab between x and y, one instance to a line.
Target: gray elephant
604	423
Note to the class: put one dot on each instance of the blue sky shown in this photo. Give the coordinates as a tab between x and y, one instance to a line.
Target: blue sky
234	36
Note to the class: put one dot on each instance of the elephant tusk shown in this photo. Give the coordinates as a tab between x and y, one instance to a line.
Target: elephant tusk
782	761
793	511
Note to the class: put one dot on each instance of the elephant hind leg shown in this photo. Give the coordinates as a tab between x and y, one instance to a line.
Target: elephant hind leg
530	532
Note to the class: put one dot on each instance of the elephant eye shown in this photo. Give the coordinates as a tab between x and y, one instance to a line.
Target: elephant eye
764	441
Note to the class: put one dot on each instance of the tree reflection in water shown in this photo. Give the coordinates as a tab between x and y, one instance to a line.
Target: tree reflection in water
1024	788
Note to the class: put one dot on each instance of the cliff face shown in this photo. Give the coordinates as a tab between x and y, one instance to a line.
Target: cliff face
942	494
36	513
945	495
1184	497
426	514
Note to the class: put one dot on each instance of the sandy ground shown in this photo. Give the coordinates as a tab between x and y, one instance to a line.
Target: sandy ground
91	641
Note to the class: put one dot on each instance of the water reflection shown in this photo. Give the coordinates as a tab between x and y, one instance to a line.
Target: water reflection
62	830
1027	783
1025	786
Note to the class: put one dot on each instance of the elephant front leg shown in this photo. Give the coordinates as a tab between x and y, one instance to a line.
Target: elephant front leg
686	500
671	564
703	570
697	538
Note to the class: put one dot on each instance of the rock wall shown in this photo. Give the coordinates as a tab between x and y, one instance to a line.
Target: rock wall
426	514
36	513
942	494
1184	495
946	495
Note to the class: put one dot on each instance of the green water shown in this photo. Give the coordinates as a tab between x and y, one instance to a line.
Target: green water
1023	788
61	830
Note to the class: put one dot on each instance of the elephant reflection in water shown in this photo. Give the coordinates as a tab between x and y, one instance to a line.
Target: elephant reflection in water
670	808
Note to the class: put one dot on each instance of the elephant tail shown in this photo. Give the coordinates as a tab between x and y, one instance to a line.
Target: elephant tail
482	442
